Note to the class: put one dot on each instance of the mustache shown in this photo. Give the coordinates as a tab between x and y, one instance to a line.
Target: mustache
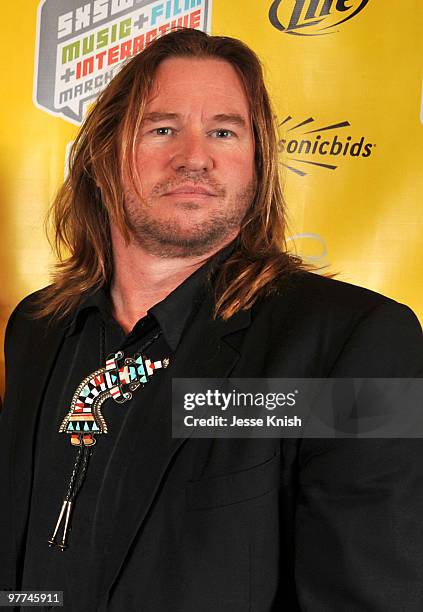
208	183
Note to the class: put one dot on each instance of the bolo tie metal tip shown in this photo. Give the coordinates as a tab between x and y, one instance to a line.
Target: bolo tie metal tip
66	506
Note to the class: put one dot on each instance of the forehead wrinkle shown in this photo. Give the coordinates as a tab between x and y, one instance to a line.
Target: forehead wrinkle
176	89
168	95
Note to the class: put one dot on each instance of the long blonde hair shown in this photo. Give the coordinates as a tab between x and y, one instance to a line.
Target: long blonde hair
91	197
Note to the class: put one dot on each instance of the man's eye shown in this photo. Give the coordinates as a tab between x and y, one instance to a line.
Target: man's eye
163	131
223	134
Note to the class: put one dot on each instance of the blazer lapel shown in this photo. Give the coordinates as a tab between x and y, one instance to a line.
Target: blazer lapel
39	362
139	467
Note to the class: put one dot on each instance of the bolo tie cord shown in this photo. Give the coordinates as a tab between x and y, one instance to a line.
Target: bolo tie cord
81	464
75	483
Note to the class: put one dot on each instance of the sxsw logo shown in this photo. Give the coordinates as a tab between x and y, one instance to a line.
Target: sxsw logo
312	17
81	44
323	147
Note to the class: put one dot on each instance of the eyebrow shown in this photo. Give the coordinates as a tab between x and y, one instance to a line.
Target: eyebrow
157	117
233	118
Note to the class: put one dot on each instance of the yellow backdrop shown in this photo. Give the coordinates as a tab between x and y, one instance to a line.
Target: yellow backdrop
346	82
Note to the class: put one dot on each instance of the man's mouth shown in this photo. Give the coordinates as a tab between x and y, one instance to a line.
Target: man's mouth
196	190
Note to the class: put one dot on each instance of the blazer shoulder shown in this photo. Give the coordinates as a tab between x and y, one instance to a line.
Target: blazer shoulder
325	322
25	310
23	323
325	290
28	305
332	298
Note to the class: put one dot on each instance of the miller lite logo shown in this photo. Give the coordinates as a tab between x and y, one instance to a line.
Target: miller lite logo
312	17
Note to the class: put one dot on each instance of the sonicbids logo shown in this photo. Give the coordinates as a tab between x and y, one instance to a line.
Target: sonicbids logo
323	147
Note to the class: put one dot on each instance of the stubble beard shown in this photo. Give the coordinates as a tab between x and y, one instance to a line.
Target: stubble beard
167	238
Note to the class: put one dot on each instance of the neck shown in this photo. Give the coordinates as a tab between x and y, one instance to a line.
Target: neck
141	279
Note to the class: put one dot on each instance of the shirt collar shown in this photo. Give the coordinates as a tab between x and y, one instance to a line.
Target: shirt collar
171	314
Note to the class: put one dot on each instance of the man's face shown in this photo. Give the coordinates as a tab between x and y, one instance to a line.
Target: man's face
195	160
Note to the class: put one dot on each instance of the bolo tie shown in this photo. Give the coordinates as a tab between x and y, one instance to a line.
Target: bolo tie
117	379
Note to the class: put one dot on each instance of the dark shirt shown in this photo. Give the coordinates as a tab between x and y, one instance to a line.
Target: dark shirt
92	336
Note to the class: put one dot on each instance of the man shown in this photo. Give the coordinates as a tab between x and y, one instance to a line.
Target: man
174	220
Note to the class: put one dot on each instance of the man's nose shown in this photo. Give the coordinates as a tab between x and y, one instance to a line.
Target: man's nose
192	153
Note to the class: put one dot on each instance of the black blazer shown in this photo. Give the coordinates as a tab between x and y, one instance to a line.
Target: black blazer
320	525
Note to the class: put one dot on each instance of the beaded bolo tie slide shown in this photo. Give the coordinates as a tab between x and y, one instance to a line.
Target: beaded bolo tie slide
119	377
